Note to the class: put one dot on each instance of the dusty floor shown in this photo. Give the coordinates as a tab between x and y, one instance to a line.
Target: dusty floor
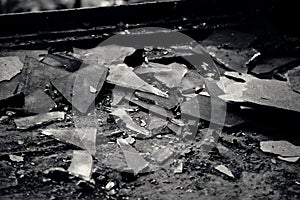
257	175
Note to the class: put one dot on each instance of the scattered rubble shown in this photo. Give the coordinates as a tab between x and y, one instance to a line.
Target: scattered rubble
86	185
203	63
257	184
38	120
110	154
88	120
231	49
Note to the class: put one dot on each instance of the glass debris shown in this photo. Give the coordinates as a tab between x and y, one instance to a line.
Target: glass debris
162	155
122	75
118	94
110	185
134	160
84	138
294	79
39	120
8	88
289	159
223	169
81	165
129	123
104	55
178	168
9	67
282	148
62	60
156	122
33	102
191	84
77	85
237	60
173	77
271	93
169	103
269	65
152	68
22	54
211	109
134	117
36	75
152	108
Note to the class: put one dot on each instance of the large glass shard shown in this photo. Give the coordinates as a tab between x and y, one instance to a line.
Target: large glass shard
81	165
134	160
9	67
39	120
84	138
104	55
122	75
76	87
129	123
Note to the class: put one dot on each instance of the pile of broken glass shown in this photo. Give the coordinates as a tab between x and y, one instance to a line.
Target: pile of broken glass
137	112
